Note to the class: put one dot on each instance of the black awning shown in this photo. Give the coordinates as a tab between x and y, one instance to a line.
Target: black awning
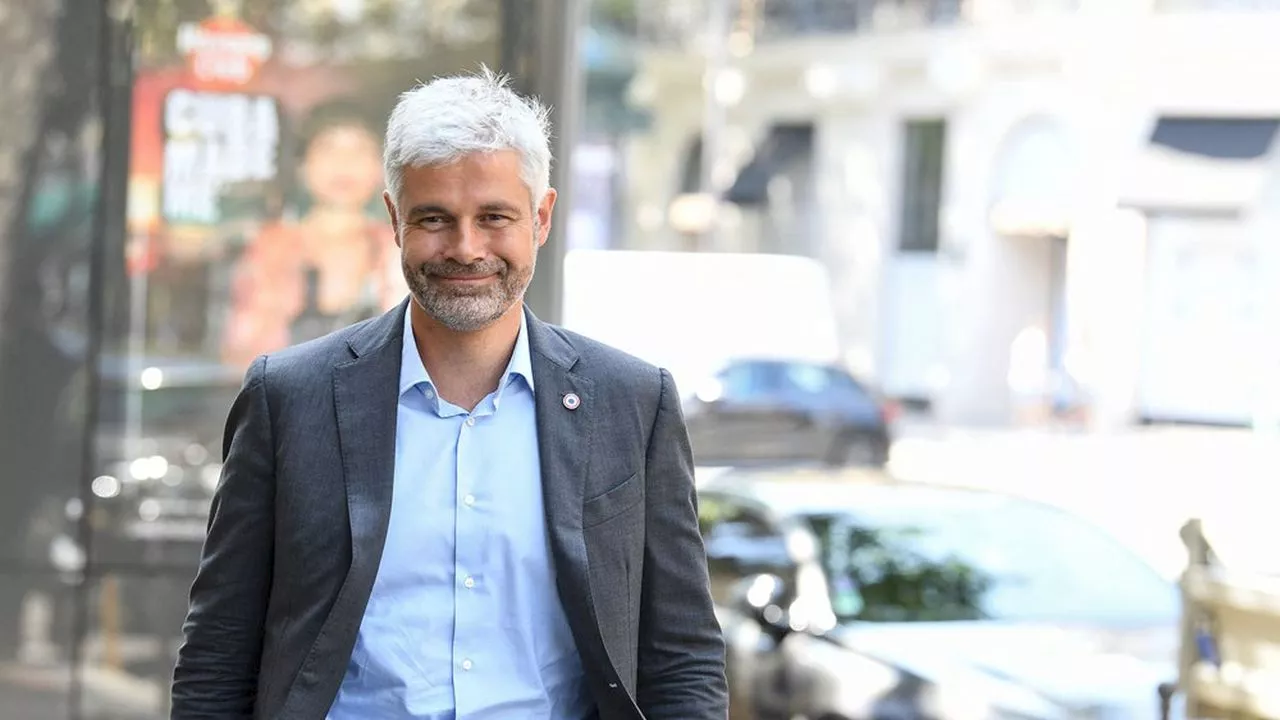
1201	164
782	146
1222	138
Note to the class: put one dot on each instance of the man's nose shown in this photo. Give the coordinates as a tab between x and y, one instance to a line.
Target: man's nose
468	244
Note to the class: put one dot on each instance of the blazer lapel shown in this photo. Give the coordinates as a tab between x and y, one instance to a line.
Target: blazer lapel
365	395
565	445
365	392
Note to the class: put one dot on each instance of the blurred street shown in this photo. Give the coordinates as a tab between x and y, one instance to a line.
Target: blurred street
1139	484
1025	246
39	693
32	693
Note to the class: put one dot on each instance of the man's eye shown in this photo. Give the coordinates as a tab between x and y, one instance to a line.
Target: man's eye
432	220
491	218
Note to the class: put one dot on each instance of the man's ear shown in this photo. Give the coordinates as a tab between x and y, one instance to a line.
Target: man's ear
544	212
392	214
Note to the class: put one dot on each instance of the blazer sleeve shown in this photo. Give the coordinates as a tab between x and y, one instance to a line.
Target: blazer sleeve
217	671
681	656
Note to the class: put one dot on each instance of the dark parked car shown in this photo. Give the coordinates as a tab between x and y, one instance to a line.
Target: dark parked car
160	453
846	596
756	410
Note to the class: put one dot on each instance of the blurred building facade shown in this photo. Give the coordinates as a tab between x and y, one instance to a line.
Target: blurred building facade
1021	202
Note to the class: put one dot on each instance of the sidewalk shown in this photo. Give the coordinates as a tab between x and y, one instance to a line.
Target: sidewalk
28	704
36	693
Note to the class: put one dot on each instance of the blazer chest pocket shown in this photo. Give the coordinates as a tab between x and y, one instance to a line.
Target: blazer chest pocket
621	498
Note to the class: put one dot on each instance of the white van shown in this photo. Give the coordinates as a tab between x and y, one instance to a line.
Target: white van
692	312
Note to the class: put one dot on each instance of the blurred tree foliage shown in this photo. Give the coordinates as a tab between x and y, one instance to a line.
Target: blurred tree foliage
381	27
50	63
620	15
882	575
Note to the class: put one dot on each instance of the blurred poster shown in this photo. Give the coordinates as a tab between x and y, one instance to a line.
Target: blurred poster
255	212
213	140
255	221
330	258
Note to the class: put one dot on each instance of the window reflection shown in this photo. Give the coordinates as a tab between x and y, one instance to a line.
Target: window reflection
881	576
942	561
330	260
740	543
255	222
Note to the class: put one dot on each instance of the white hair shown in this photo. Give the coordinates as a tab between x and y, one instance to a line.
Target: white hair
439	122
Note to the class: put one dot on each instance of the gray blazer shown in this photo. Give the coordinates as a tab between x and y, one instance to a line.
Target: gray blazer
298	522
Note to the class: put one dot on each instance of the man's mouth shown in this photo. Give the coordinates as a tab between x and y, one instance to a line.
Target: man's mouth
465	280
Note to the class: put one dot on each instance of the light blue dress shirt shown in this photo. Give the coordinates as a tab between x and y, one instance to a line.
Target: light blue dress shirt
464	622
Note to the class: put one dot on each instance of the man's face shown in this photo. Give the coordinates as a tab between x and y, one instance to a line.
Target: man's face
469	237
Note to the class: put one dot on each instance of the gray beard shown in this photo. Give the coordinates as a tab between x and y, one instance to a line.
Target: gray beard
468	309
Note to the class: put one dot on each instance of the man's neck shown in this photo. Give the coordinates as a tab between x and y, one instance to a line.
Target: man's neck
465	367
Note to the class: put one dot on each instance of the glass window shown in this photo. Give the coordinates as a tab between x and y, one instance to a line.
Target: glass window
845	389
924	160
740	543
254	221
946	557
749	381
52	151
255	217
808	379
240	141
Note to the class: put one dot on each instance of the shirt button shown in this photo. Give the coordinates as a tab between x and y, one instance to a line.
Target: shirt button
429	392
469	500
471	421
466	664
469	582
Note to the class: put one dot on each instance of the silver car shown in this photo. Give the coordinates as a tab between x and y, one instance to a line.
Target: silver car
848	596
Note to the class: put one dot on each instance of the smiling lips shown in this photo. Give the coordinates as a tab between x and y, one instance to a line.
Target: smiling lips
467	279
466	283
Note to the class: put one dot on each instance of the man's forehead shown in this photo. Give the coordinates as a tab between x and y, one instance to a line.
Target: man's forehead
457	188
423	205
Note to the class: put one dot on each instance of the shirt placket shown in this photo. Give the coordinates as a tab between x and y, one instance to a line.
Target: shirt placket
470	593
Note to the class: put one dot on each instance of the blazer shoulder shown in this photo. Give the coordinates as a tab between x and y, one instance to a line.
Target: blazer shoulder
617	368
307	361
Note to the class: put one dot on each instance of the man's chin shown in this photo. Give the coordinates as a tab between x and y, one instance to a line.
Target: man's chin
463	319
463	288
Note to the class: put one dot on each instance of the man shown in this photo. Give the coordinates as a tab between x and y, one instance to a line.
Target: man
455	510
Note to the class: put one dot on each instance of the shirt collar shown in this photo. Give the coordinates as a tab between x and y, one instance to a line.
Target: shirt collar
413	373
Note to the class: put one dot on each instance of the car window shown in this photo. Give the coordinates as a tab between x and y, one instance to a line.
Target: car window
711	512
845	388
807	379
740	542
1001	560
829	385
745	381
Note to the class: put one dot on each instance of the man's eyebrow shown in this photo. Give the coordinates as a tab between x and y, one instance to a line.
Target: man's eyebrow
500	207
419	210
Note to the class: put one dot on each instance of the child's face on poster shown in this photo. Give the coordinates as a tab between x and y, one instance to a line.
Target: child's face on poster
342	167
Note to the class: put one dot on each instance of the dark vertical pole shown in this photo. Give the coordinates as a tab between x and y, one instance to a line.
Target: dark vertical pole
540	51
108	225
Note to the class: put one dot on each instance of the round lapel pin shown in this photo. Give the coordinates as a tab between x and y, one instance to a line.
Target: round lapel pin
571	401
